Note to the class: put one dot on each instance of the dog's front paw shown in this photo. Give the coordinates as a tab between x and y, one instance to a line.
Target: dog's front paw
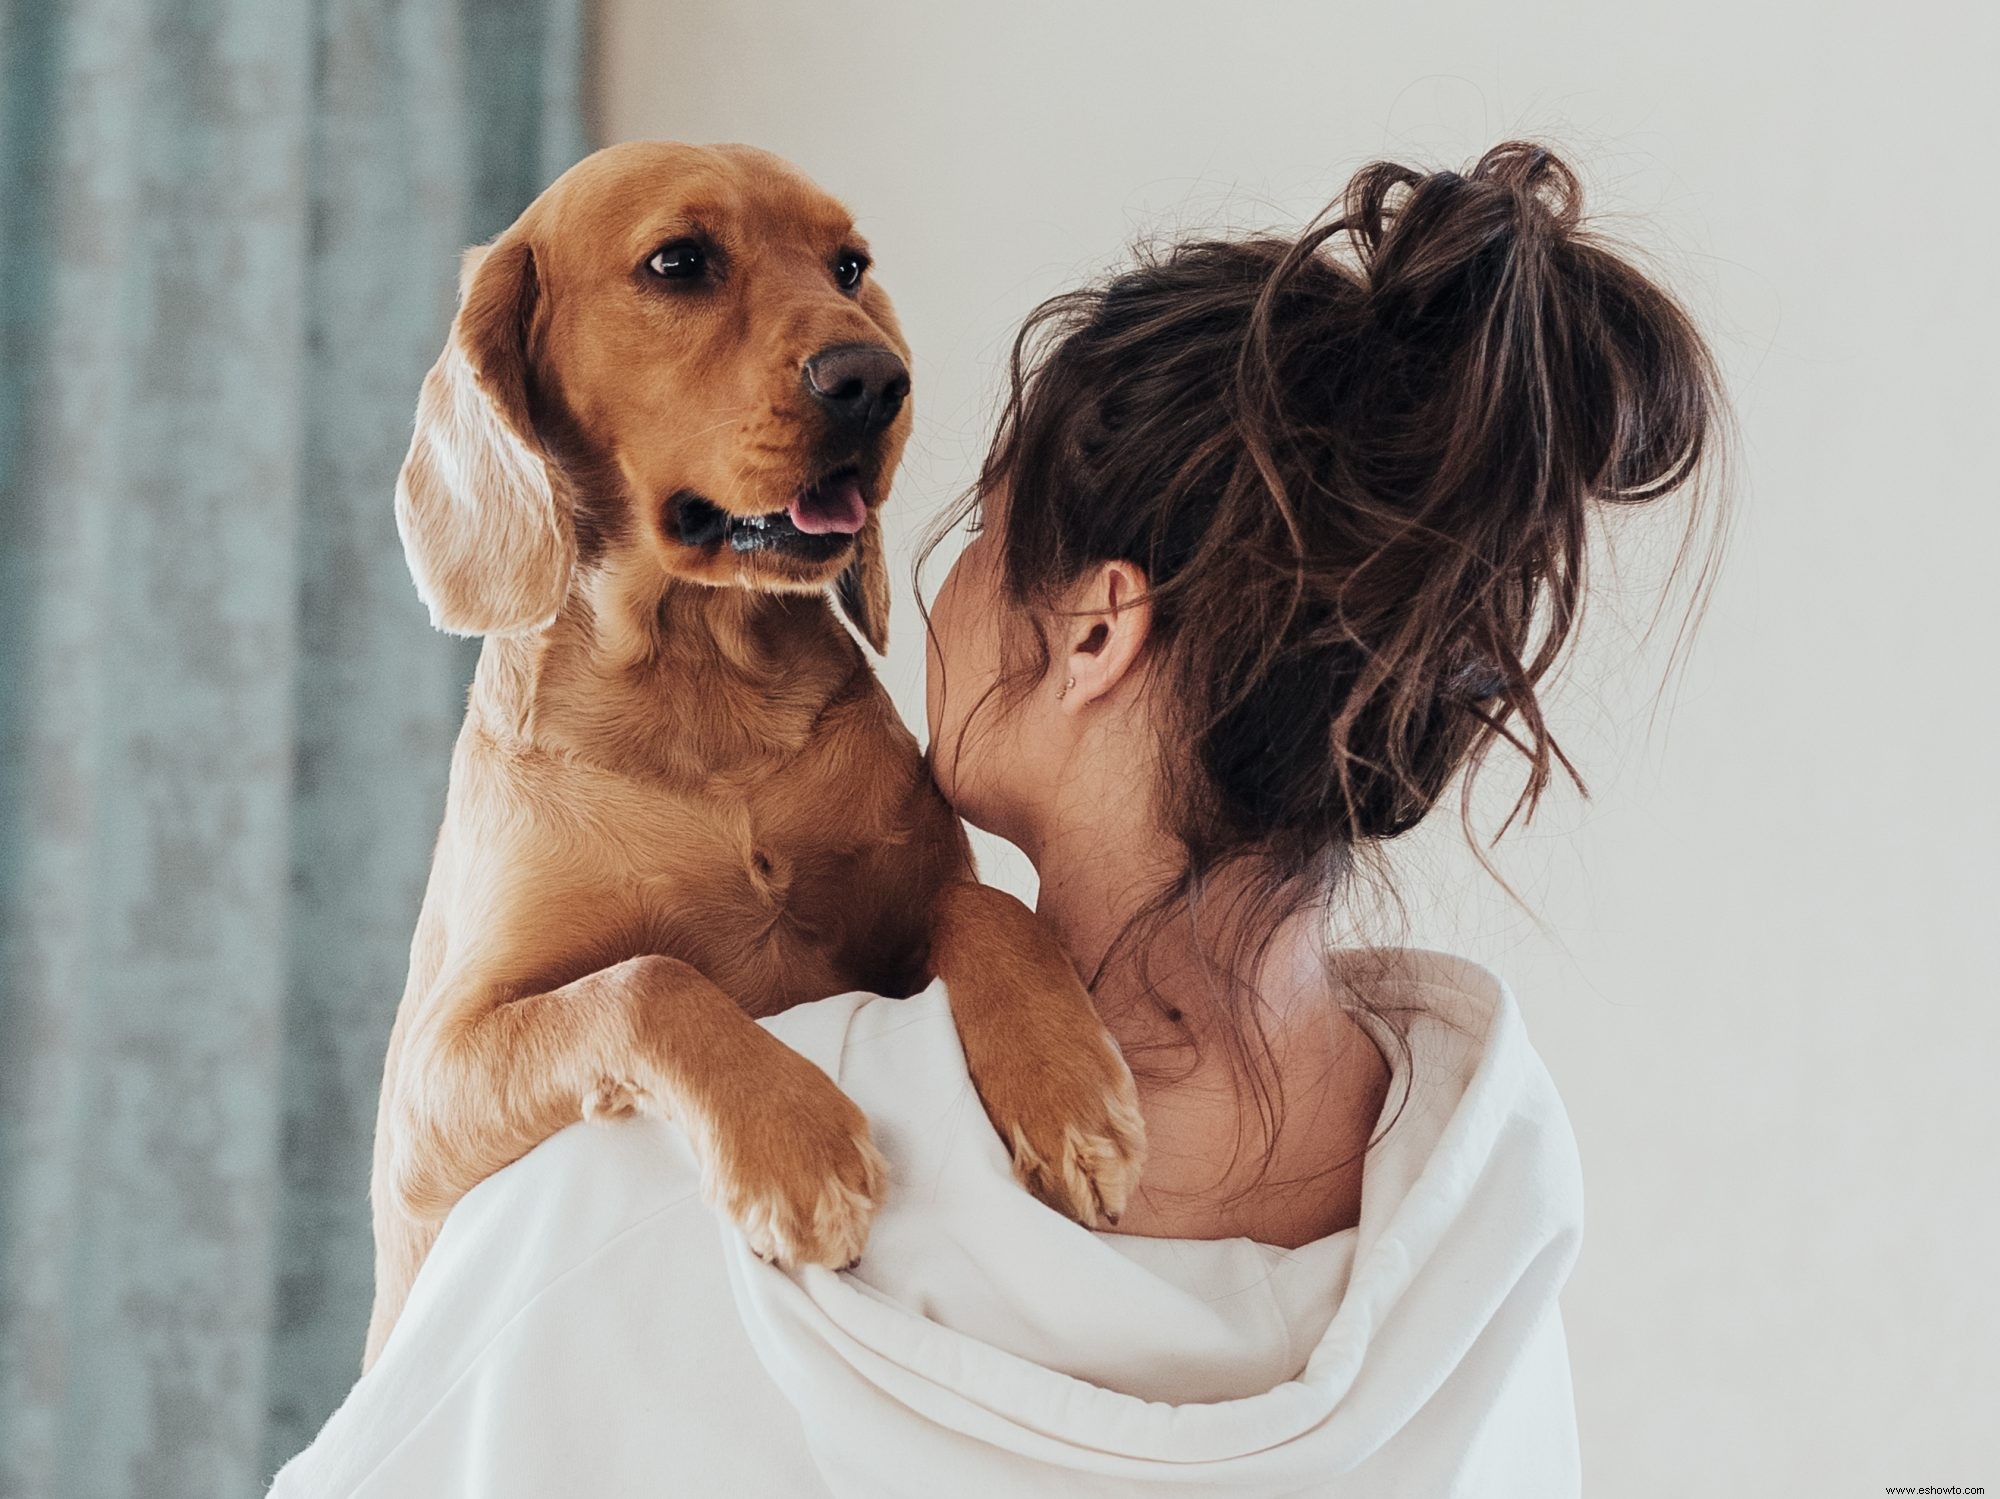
1071	1121
1053	1082
793	1166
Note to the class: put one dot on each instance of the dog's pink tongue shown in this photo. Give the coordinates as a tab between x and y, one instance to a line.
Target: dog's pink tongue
834	506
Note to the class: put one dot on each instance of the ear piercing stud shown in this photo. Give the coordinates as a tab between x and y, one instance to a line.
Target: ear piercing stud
1065	689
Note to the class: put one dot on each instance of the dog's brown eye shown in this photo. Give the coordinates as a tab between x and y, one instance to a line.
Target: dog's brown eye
678	261
848	268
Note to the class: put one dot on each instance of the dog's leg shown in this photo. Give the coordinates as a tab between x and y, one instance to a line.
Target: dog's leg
1051	1078
487	1077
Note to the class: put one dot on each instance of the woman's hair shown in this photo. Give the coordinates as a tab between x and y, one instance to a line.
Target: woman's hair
1358	467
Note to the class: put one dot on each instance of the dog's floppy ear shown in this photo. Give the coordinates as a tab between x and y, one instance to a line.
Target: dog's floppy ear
486	535
863	587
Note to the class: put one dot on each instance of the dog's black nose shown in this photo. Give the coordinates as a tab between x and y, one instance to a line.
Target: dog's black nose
860	386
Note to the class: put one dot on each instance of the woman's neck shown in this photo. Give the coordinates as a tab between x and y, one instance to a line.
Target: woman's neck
1216	1168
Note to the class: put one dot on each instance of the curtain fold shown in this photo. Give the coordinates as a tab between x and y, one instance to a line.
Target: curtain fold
228	251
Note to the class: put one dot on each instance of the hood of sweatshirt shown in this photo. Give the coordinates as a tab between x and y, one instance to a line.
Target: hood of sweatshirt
986	1337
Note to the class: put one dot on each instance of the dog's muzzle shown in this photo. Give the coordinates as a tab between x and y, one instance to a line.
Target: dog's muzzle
817	526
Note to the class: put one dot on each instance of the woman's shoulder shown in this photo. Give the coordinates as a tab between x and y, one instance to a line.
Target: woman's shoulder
1444	1002
1466	988
554	1296
1462	1049
860	1035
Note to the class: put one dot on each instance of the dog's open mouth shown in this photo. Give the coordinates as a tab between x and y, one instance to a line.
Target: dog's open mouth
819	524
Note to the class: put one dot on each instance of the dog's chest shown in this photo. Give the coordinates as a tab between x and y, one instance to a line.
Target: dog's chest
784	886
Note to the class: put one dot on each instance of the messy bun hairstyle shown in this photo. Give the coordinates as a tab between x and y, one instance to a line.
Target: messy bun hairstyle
1358	467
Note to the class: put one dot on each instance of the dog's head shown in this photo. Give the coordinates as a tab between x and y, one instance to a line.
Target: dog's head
676	359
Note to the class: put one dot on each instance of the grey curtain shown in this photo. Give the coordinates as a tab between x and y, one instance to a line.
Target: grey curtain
228	245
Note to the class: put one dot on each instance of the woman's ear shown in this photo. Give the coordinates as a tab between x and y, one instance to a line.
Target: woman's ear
1108	616
863	586
487	539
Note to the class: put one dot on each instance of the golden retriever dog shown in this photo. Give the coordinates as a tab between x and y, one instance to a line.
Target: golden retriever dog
662	430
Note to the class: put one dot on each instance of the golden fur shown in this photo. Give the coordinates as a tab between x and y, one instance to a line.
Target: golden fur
681	799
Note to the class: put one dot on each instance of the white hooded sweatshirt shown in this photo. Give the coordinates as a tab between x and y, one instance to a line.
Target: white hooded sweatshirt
586	1325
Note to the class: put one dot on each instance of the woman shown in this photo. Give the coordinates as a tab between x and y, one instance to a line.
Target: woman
1273	543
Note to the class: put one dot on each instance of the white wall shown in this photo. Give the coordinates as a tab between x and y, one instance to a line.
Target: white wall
1764	975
